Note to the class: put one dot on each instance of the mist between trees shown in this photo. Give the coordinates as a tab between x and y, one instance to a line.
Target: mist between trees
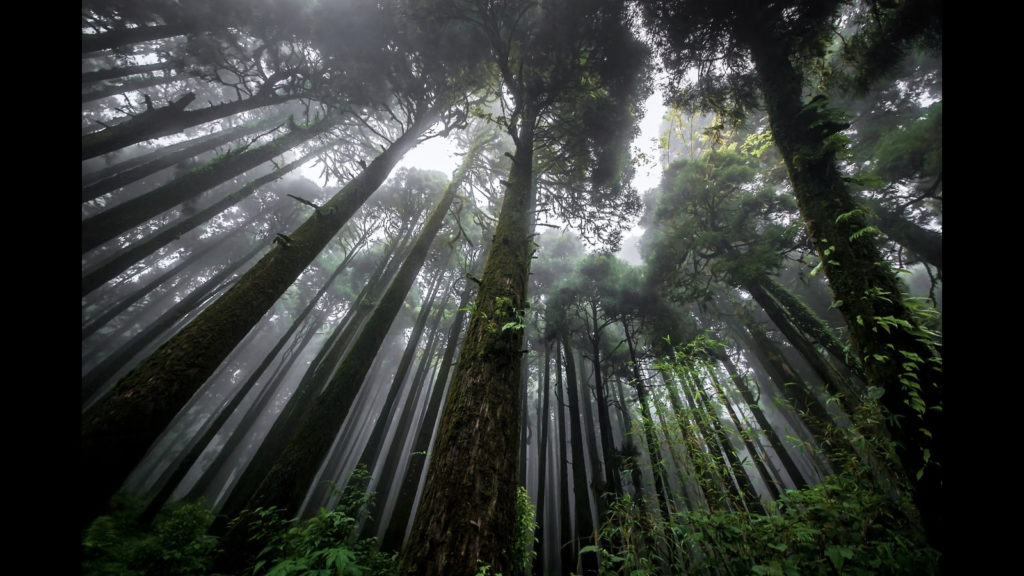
301	356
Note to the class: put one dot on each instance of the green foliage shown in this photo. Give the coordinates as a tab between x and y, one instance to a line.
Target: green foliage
526	526
843	526
175	545
326	544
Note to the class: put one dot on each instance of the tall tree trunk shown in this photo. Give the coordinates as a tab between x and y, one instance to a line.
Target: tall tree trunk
127	36
300	401
125	258
898	356
214	425
116	433
585	529
769	431
604	423
566	549
94	380
398	522
542	467
467	512
122	71
289	479
130	213
129	85
169	119
129	174
390	470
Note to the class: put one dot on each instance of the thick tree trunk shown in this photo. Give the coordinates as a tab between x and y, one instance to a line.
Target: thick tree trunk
126	215
467	512
116	433
897	355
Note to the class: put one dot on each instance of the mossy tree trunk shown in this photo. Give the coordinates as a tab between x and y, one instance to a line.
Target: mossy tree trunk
117	432
888	339
466	516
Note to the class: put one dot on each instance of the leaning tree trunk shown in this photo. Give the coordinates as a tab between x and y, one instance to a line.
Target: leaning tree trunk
128	174
467	512
898	355
122	37
125	258
122	71
286	484
170	119
116	433
130	213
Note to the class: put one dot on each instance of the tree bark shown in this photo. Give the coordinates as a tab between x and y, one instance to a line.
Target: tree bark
467	512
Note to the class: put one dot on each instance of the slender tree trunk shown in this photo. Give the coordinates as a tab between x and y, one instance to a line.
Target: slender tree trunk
130	213
122	71
289	479
169	119
398	522
585	529
124	259
542	467
566	549
299	402
744	437
122	37
116	433
193	148
611	455
925	243
390	471
213	427
98	376
650	434
467	512
769	431
129	85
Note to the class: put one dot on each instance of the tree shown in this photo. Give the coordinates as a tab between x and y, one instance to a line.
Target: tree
750	55
552	59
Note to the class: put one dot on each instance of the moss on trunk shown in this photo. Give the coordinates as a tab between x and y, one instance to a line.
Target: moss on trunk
466	517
